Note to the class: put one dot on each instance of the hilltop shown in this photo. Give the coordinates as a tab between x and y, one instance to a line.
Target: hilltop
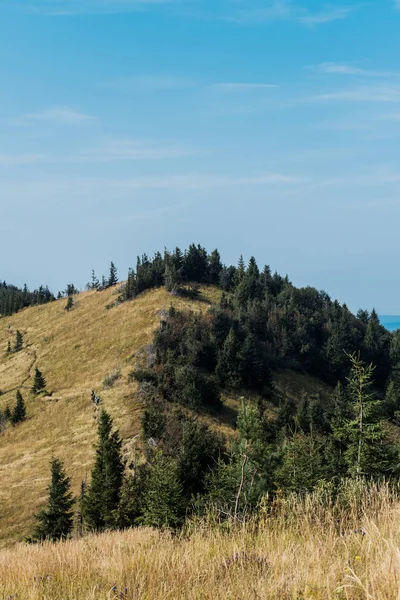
227	384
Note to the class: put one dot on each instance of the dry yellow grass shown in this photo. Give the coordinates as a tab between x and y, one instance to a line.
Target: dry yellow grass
75	350
297	553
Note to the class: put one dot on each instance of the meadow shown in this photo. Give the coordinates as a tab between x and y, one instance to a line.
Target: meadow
297	549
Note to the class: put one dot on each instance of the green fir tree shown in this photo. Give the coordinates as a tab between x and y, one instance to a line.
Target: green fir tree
19	341
112	277
70	303
162	495
55	519
103	495
39	382
19	412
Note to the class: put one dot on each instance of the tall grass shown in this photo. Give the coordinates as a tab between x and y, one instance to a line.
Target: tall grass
297	548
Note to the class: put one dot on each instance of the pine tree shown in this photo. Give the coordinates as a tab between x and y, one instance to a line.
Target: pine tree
241	270
18	341
170	275
112	278
8	347
130	290
361	431
7	413
70	303
215	267
392	401
228	365
372	340
103	494
95	284
39	382
55	520
162	494
130	505
70	290
19	412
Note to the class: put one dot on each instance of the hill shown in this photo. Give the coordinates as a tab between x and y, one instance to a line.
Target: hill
76	351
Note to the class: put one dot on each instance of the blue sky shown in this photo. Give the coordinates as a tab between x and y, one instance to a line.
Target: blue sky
270	128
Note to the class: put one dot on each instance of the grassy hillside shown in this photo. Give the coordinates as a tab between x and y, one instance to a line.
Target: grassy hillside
76	350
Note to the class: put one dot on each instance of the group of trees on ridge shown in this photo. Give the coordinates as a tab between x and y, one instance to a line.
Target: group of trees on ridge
261	323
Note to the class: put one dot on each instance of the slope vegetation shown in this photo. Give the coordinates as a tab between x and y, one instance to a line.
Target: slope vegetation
75	351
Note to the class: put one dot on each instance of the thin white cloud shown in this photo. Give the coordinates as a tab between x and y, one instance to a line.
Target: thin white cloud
197	181
243	87
50	191
150	83
247	12
391	116
60	116
257	12
133	150
12	160
378	93
70	8
325	16
332	68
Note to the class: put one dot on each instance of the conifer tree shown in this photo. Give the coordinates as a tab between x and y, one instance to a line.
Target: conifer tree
95	284
215	267
70	303
228	366
18	341
7	413
162	494
103	494
392	401
130	287
170	276
241	270
55	520
19	412
71	289
361	431
39	382
8	347
112	278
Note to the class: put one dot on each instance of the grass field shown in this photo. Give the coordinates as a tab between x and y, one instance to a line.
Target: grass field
296	552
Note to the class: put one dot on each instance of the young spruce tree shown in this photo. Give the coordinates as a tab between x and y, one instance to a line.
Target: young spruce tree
19	341
163	506
103	495
55	520
70	303
112	278
361	431
19	412
39	382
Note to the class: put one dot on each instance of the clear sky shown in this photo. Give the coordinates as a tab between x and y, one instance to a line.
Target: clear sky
265	127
